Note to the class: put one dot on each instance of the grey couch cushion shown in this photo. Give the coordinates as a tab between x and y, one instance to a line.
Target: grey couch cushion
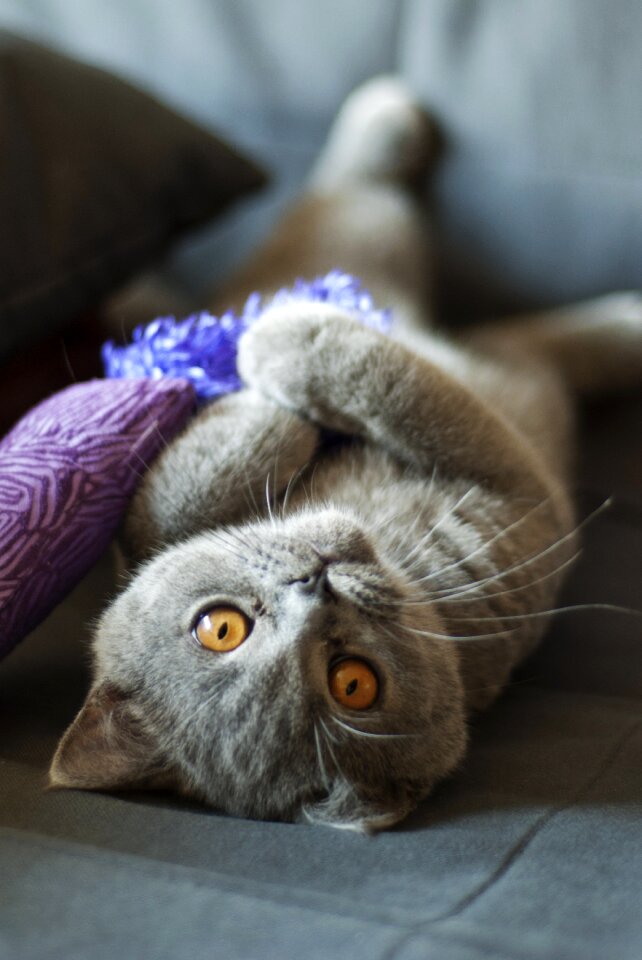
540	197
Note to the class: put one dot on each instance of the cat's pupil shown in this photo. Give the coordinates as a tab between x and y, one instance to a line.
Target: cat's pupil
222	630
352	686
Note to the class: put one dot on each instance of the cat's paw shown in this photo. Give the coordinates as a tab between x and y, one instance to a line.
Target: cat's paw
620	315
382	131
606	334
297	355
623	306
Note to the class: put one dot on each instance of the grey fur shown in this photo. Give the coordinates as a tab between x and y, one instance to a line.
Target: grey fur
435	536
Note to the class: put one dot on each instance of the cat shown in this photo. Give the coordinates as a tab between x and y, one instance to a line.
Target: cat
331	569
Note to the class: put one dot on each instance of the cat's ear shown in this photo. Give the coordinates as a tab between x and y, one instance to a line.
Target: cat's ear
345	809
108	746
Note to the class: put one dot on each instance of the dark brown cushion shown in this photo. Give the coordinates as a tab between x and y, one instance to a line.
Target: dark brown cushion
96	178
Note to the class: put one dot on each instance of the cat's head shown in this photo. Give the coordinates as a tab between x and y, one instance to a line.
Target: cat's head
277	670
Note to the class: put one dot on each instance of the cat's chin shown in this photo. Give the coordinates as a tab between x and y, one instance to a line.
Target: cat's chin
343	809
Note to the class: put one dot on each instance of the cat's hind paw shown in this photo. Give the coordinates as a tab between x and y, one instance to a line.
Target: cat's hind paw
382	132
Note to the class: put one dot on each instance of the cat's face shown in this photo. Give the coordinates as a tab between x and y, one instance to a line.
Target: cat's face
275	671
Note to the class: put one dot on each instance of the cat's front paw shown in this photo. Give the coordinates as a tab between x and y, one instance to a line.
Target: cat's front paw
295	355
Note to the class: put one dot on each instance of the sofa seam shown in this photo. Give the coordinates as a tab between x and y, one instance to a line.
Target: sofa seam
520	846
529	835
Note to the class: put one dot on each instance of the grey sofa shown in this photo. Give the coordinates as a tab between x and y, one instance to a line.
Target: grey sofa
532	851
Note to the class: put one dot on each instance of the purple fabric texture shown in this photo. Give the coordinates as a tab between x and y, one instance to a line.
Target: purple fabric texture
67	472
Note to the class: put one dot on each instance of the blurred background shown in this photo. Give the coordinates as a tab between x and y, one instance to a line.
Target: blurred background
537	199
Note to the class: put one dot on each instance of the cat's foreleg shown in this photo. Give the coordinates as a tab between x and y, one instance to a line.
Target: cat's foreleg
314	359
229	464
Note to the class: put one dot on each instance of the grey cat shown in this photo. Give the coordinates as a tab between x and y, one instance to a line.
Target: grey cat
334	567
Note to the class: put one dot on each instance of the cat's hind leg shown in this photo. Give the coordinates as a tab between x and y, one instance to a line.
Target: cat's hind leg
381	134
596	345
360	212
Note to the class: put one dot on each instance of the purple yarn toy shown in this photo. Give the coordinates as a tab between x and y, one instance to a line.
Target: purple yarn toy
202	348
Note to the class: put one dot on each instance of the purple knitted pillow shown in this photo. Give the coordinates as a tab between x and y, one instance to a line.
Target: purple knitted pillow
67	472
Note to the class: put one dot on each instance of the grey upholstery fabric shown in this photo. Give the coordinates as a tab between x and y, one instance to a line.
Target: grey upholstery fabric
540	199
532	850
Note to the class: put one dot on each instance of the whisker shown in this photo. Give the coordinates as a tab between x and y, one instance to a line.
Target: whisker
313	477
416	553
500	593
67	361
326	731
369	734
447	636
232	540
461	597
293	479
456	592
329	742
427	536
319	751
571	608
202	706
257	513
267	499
432	481
462	590
487	543
275	477
135	449
450	512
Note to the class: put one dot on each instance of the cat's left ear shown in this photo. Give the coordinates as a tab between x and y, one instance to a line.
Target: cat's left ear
108	746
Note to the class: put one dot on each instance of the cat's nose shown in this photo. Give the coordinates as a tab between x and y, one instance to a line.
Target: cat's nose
315	582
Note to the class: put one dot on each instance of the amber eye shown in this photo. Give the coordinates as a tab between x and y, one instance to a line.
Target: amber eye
354	684
222	629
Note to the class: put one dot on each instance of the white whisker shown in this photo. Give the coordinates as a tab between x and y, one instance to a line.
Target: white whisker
369	734
293	479
330	741
202	706
487	543
257	513
447	636
267	499
456	592
319	751
462	598
572	608
450	512
231	542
